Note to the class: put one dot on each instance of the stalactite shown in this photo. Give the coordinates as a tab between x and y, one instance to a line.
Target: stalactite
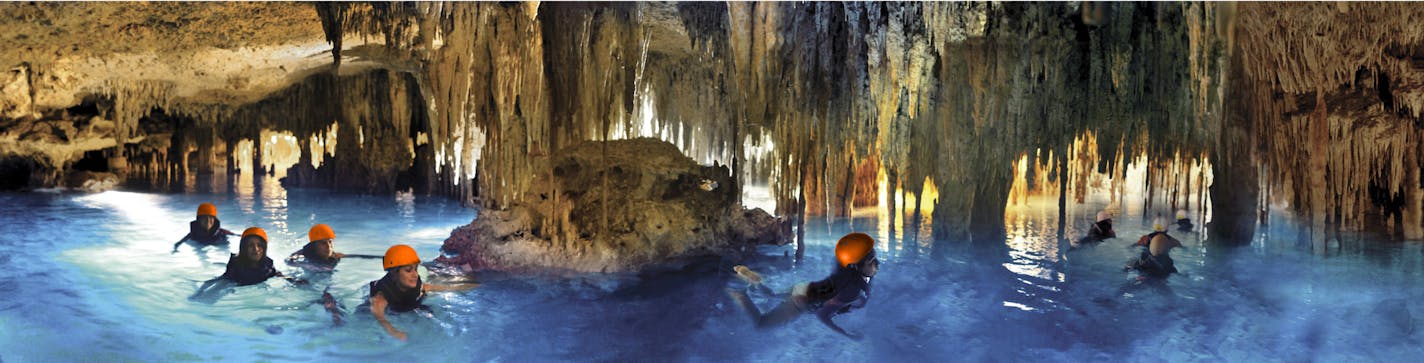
1336	124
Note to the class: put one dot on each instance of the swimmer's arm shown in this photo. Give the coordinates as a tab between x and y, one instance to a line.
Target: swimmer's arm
290	279
179	243
828	310
227	232
343	255
456	287
378	308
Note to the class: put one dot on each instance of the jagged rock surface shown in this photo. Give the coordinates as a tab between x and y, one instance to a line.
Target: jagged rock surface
1314	106
614	206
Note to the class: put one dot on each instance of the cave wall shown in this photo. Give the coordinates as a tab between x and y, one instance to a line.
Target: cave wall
1335	91
1289	106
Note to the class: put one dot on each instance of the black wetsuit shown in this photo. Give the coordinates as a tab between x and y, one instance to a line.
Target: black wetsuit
210	236
846	285
397	299
1184	224
1154	266
245	273
1100	231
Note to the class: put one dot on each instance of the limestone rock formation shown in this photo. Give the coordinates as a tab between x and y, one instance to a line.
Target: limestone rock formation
625	205
1314	106
38	152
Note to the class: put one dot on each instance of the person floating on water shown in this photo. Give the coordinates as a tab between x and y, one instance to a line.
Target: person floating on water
1159	228
206	228
320	250
1155	262
1102	229
847	288
250	265
402	289
1184	224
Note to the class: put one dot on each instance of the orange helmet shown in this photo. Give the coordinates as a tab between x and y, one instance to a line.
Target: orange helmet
399	255
853	248
320	232
207	209
255	231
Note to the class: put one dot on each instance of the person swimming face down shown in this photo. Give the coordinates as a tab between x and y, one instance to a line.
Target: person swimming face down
847	288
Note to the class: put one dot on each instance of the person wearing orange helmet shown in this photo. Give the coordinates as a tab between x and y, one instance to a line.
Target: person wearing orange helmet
250	264
847	288
402	289
206	228
320	249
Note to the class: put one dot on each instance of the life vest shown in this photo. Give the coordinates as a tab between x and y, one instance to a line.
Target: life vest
1155	266
209	236
397	299
846	283
244	273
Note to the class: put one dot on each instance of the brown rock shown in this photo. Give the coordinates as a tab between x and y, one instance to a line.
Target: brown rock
613	207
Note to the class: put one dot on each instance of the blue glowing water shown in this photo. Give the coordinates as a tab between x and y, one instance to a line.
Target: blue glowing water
92	277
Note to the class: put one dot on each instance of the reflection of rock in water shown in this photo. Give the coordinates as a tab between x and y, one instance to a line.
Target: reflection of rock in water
615	206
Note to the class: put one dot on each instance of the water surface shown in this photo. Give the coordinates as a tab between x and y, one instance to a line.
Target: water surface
94	276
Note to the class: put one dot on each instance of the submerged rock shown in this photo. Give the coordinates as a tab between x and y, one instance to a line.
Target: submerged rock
92	181
614	206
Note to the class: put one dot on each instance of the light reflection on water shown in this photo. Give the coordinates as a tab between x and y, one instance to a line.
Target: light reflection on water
95	276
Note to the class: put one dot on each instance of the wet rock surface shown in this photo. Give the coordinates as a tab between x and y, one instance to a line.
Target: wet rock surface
615	206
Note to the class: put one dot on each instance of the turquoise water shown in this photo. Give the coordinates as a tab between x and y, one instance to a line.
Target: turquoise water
92	277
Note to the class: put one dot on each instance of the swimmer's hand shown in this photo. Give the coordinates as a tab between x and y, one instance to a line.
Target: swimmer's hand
396	333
